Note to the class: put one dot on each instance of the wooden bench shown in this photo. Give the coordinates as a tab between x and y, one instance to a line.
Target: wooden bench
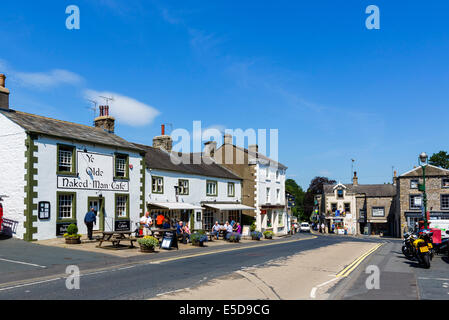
117	237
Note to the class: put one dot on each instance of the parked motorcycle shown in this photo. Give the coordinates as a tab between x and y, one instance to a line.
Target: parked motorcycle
407	245
423	248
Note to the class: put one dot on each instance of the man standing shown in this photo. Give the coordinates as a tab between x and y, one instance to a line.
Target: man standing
90	219
146	222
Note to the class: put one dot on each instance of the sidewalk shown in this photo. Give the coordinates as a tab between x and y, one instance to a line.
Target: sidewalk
125	252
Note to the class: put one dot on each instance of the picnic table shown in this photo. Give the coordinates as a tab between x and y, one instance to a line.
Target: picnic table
116	237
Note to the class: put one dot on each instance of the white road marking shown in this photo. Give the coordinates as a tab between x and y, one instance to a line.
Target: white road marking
314	289
168	292
29	284
439	279
21	262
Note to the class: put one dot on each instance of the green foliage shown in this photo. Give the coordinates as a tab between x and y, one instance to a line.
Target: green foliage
440	159
198	237
252	227
268	234
72	229
315	188
148	241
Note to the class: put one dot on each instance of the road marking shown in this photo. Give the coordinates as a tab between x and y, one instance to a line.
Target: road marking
21	262
439	279
314	289
29	284
169	292
346	271
226	250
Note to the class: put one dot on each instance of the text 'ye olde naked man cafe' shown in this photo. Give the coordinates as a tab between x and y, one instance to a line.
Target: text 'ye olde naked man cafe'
69	168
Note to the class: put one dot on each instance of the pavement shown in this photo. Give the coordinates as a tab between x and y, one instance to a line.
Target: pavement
106	276
400	278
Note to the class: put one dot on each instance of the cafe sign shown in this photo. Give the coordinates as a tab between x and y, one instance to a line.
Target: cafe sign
95	172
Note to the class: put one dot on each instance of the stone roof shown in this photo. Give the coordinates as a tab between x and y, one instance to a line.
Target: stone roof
66	130
430	171
371	190
160	159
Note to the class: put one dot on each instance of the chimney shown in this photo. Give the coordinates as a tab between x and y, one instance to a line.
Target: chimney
227	139
253	148
105	121
4	93
395	177
163	141
355	180
209	148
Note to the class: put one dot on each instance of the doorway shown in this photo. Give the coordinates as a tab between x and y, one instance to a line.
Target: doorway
97	204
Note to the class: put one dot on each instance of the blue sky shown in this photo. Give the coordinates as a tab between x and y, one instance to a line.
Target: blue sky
335	90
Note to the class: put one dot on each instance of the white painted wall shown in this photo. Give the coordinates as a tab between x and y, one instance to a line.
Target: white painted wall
47	187
12	171
197	189
349	221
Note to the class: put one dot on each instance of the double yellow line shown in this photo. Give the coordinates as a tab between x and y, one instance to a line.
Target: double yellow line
346	271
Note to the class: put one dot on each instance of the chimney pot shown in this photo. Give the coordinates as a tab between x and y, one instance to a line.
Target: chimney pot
163	129
105	121
4	93
355	180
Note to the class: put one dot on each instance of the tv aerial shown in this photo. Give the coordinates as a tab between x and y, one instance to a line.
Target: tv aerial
94	107
107	99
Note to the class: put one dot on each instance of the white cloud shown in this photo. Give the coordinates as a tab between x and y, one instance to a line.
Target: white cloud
125	109
46	80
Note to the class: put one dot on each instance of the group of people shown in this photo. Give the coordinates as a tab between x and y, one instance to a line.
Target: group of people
162	222
228	229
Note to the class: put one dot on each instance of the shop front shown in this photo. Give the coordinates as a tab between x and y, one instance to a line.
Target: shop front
175	212
222	212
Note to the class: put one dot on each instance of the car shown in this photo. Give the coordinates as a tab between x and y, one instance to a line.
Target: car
304	227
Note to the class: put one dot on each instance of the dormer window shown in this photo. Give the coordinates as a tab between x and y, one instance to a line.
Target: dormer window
340	193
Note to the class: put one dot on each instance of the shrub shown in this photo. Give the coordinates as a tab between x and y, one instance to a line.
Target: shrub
148	241
72	229
234	237
268	234
253	227
256	234
198	237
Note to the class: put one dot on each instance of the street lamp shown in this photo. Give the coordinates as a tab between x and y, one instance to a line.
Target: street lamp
423	161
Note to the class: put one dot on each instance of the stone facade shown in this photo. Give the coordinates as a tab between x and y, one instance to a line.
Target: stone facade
437	185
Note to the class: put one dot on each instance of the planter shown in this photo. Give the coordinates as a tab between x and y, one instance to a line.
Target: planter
255	238
198	244
72	240
269	237
146	249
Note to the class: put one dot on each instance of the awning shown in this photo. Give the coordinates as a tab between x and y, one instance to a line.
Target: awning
228	206
174	206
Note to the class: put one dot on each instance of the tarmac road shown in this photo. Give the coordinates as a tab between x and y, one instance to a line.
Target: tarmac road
107	277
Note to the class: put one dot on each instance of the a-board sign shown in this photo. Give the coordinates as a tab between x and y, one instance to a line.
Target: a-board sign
169	240
122	225
61	228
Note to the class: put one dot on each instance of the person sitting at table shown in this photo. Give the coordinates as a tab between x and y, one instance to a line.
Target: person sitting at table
146	223
180	231
160	220
166	224
216	229
228	231
237	228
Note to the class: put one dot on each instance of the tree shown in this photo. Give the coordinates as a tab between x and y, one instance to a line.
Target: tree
440	159
315	188
298	193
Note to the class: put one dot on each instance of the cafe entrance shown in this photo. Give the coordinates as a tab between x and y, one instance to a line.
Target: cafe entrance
98	205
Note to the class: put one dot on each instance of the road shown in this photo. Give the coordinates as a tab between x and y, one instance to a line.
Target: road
400	278
107	277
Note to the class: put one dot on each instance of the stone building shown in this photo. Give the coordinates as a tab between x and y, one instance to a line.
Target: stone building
360	209
410	198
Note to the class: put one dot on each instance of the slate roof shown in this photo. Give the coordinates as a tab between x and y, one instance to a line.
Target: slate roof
430	171
371	190
64	129
161	160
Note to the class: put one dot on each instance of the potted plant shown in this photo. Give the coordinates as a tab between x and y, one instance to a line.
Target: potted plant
148	243
234	237
72	236
252	227
256	235
198	239
268	234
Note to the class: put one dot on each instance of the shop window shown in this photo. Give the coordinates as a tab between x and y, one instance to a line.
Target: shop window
415	202
445	202
378	212
208	218
121	206
347	208
66	159
280	219
333	207
270	219
183	187
121	166
157	185
211	188
66	206
234	215
231	189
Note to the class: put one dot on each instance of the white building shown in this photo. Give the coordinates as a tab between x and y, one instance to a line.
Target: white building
263	184
53	171
198	194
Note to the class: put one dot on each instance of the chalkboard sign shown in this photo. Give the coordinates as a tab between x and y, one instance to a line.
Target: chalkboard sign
170	240
44	210
122	225
61	228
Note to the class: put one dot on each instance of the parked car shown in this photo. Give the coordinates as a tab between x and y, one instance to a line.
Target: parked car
305	227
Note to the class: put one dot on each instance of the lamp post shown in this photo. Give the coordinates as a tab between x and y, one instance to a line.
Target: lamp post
423	161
